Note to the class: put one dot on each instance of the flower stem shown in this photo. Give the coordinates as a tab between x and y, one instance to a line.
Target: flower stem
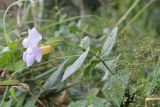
6	37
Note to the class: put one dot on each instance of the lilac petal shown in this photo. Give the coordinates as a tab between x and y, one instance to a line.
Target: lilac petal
38	54
29	56
30	60
24	56
25	43
37	36
34	37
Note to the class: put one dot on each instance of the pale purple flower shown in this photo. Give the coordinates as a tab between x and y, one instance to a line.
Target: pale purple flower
33	38
33	52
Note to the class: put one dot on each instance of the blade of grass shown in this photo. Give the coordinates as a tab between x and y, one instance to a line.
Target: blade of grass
138	14
127	13
66	20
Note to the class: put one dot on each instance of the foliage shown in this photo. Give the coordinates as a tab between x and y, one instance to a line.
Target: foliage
102	53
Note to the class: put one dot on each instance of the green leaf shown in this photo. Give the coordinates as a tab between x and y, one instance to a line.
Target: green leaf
21	98
77	92
81	103
93	100
75	66
8	82
73	29
9	54
12	91
30	103
115	87
15	66
85	42
96	102
54	81
13	45
89	68
5	59
6	104
109	43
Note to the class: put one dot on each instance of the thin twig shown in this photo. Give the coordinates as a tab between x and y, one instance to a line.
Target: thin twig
151	99
101	61
4	96
19	83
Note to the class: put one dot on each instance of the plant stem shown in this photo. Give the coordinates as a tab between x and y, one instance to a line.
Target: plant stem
6	37
101	61
151	99
4	96
20	84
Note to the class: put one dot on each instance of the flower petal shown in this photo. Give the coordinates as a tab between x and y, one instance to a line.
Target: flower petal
34	37
38	54
24	56
25	43
29	60
29	56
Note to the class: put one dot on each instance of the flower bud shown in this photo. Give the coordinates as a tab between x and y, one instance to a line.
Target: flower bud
45	49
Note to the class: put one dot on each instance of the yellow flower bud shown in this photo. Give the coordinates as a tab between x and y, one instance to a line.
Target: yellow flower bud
45	49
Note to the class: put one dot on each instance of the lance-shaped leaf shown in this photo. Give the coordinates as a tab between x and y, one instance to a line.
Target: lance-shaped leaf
109	43
13	94
85	42
54	81
8	82
75	66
